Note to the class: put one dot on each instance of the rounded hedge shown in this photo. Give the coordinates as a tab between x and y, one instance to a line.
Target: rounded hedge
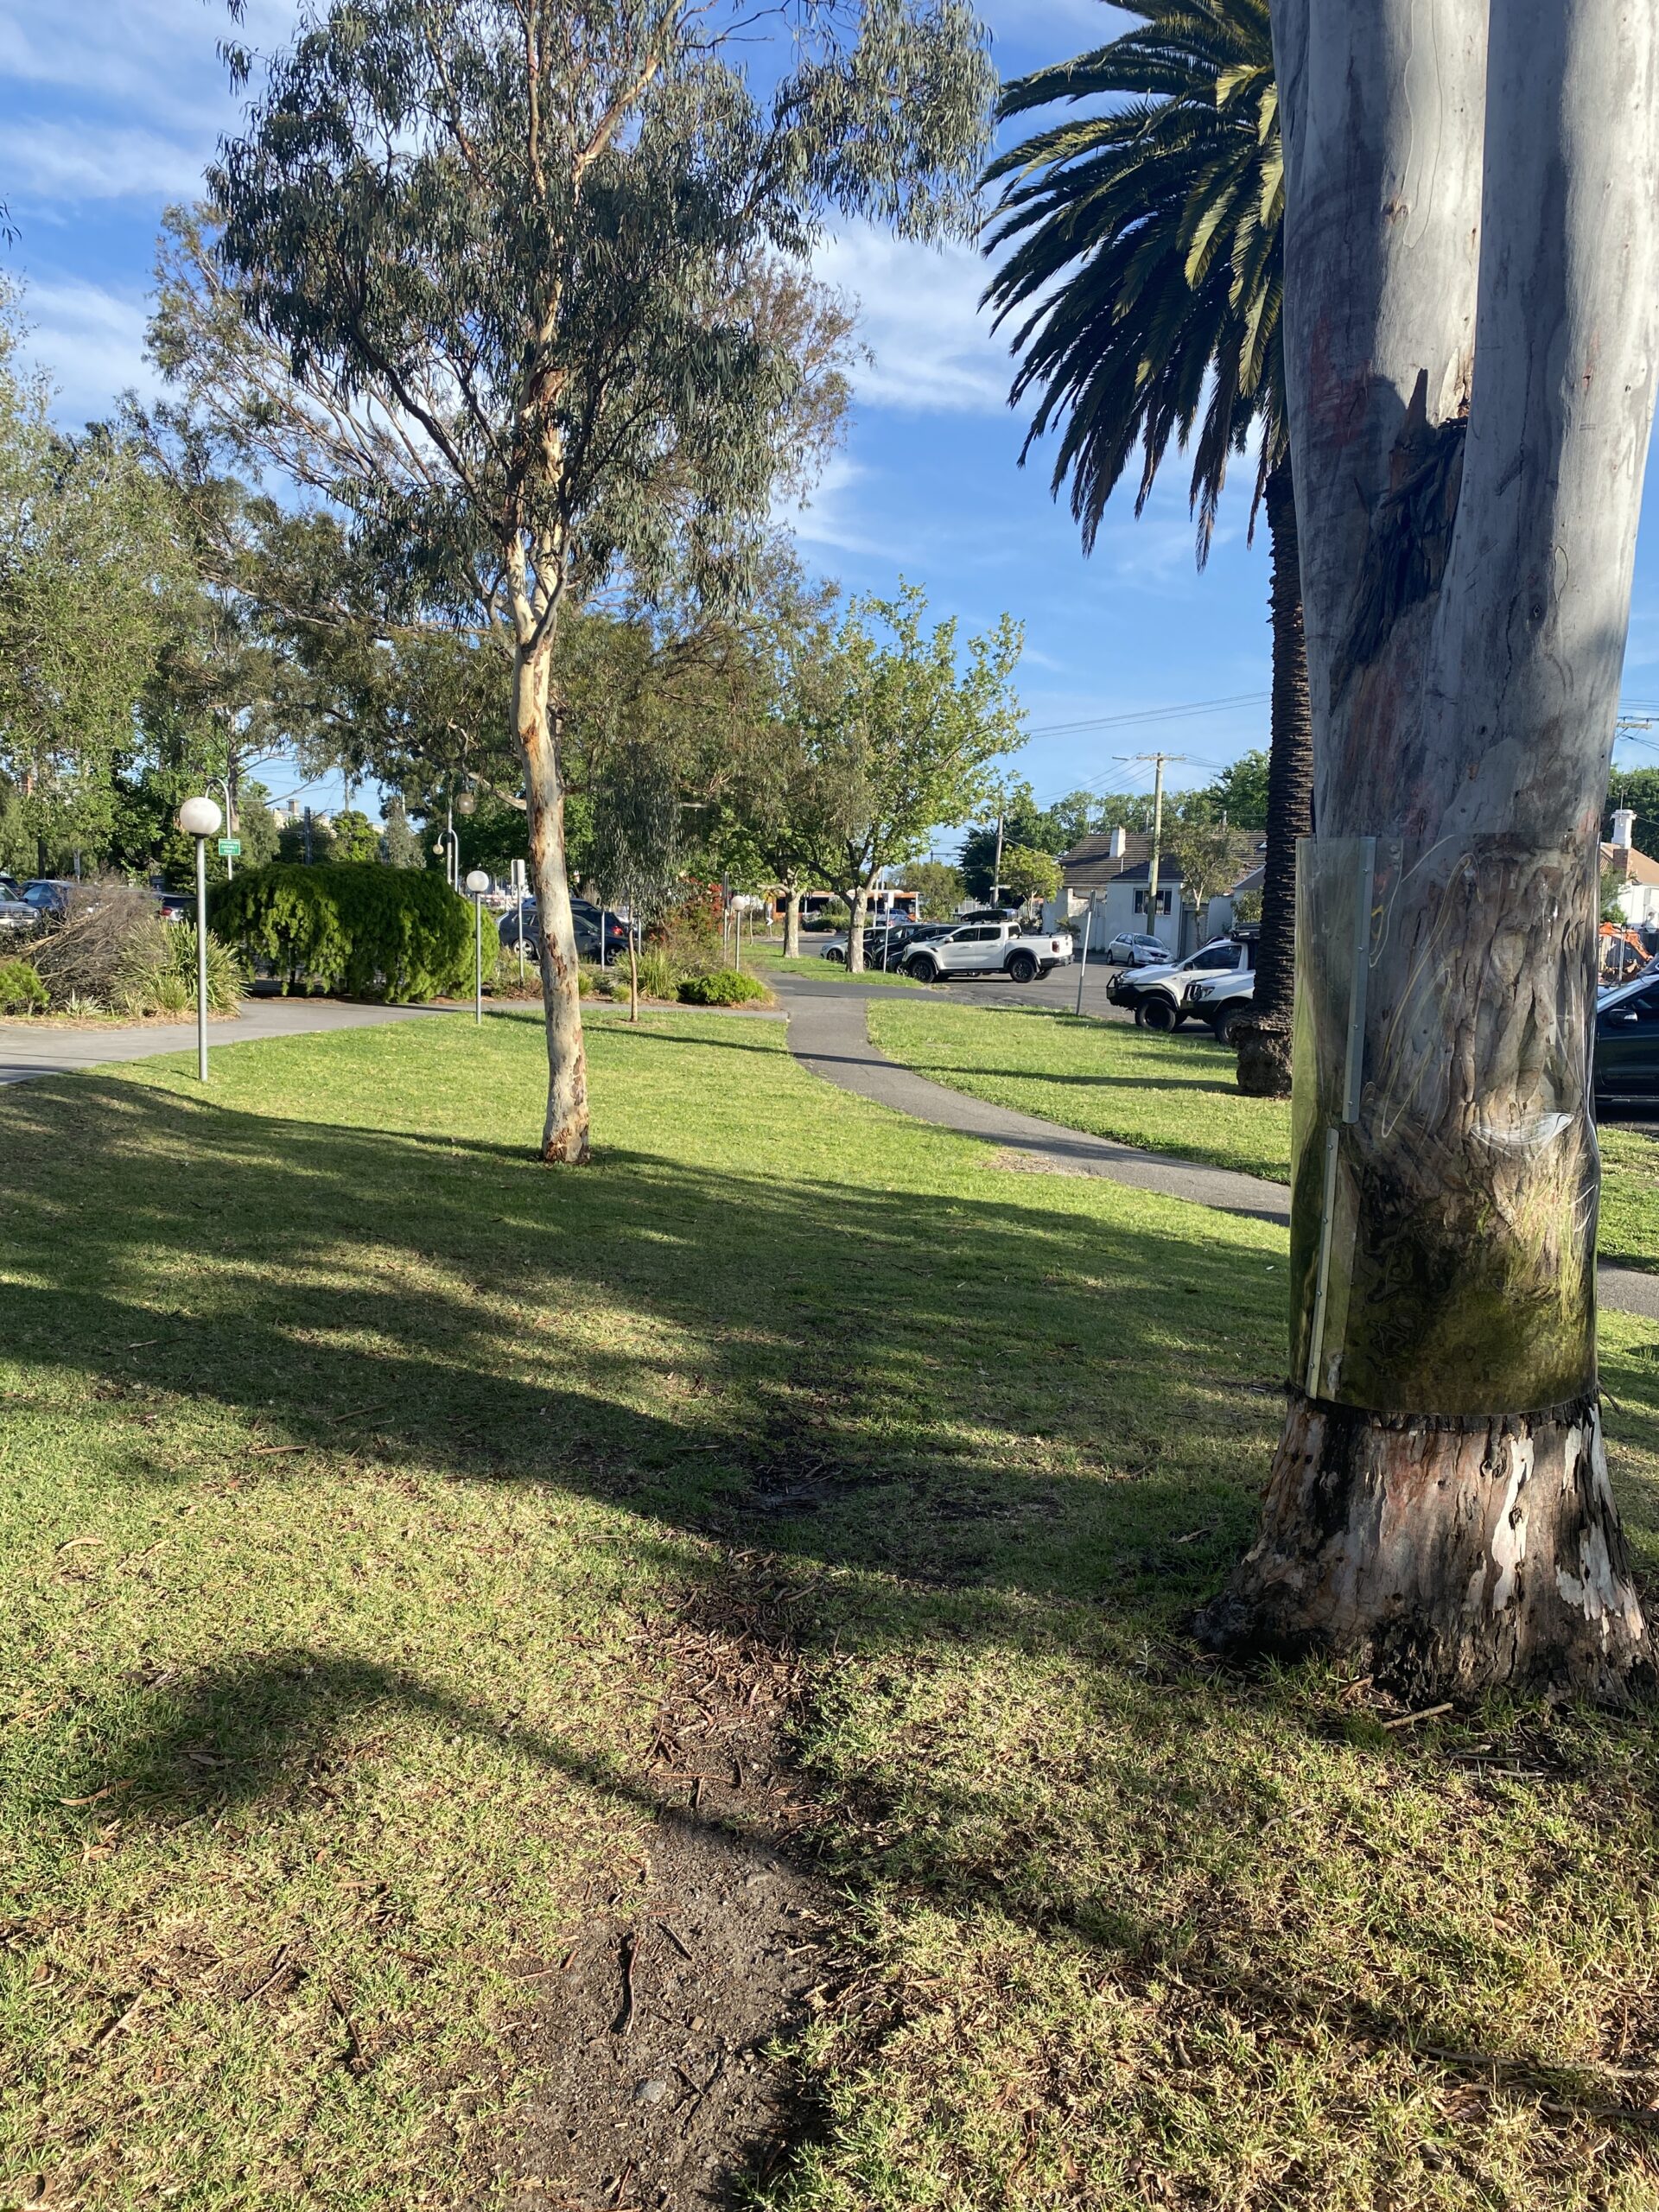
725	986
360	929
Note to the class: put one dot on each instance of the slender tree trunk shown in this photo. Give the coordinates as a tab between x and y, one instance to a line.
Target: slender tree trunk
792	925
1440	1510
634	979
1264	1047
860	907
536	719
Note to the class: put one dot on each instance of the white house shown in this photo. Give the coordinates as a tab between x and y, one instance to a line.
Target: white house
1638	896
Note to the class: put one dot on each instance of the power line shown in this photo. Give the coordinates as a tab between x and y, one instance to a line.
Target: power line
1153	715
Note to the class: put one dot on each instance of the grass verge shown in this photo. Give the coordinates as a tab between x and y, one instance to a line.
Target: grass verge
769	960
1177	1095
357	1473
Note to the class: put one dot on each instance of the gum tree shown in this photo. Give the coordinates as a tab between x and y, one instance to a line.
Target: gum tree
527	265
1472	311
907	737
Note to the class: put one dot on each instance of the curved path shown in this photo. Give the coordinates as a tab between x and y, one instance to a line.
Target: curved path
38	1048
829	1033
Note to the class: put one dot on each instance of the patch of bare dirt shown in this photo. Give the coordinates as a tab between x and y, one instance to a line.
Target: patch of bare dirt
1032	1163
649	2043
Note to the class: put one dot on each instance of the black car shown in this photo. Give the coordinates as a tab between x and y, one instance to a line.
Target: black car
1627	1043
892	945
586	917
48	895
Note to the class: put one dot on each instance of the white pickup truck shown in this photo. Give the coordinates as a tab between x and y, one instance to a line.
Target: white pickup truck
989	949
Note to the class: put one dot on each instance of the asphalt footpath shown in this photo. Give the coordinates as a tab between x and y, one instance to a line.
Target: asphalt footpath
829	1033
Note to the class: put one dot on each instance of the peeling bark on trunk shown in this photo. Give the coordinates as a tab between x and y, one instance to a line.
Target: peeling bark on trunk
565	1134
855	930
1454	1558
793	927
1440	1511
1264	1054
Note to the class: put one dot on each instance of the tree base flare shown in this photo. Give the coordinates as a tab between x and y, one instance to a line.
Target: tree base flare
569	1148
1264	1059
1444	1558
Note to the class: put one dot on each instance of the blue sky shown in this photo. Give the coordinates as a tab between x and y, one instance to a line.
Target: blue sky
104	116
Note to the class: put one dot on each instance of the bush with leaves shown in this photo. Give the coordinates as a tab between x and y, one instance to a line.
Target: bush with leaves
158	972
725	987
21	990
362	930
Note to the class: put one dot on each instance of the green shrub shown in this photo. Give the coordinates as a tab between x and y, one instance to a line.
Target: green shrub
725	987
21	990
157	973
361	930
658	975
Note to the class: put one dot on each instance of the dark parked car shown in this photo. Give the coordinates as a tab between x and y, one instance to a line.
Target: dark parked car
16	915
1627	1043
48	894
890	946
585	916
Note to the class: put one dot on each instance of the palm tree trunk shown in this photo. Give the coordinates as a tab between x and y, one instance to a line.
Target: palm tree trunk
1264	1046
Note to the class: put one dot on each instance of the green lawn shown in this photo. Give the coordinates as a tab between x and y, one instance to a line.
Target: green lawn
1177	1094
769	960
311	1753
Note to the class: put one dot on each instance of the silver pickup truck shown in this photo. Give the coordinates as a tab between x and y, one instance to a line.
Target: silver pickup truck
989	949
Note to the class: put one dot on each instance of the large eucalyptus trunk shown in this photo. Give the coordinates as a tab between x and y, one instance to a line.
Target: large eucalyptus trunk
1439	1509
536	719
1264	1054
860	908
792	925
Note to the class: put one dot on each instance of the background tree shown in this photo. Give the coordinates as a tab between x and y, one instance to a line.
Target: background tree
399	845
521	286
907	738
1029	873
91	568
939	888
1210	856
1473	394
1052	829
637	851
1144	253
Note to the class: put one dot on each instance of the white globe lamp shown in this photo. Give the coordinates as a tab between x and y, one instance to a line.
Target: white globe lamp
201	818
478	883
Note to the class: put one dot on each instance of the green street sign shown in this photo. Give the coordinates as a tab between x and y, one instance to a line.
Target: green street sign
229	847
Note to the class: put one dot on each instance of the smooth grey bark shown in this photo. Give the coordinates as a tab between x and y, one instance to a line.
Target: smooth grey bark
792	924
859	906
1470	315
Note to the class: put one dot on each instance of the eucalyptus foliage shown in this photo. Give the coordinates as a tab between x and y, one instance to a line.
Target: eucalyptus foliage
521	287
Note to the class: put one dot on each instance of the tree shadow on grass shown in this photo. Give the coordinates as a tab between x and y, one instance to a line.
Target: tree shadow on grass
860	1371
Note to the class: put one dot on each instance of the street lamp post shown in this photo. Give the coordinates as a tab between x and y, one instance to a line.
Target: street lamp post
478	883
200	818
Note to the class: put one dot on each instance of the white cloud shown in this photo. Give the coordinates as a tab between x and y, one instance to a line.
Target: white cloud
92	343
932	348
69	163
828	518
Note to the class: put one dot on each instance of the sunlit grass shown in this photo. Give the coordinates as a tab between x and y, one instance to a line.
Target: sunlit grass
310	1752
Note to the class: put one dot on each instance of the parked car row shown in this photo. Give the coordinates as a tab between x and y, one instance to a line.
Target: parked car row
588	922
932	952
1216	985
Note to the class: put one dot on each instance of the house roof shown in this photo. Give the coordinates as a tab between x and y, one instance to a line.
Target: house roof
1636	867
1169	870
1091	861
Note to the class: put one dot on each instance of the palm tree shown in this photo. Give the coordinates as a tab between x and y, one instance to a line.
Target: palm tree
1144	251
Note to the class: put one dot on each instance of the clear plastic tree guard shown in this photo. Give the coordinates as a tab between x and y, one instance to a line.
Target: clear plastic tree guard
1446	1170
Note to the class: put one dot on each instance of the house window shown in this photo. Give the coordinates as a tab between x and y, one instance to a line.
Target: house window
1163	901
